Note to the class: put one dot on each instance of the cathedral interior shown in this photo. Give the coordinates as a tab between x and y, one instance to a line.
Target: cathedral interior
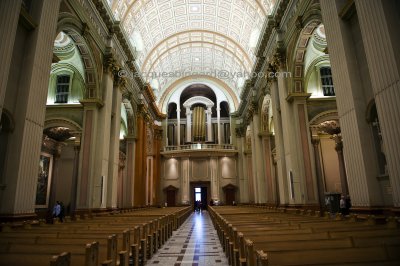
110	106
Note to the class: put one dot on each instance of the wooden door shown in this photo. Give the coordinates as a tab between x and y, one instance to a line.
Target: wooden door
229	196
171	198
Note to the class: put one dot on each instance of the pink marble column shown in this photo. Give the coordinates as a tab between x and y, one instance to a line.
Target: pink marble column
320	183
342	168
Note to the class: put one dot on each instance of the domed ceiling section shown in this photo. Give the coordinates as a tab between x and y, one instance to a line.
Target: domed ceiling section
193	37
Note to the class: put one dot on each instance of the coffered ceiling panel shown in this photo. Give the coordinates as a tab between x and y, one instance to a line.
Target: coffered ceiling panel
193	35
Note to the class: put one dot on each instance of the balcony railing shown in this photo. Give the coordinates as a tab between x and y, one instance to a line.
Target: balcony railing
200	146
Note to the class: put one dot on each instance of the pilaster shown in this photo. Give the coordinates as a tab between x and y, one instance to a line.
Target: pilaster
21	174
9	14
379	24
112	184
129	181
259	159
185	181
280	146
358	150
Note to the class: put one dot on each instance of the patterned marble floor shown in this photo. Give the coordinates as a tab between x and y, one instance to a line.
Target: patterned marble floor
194	243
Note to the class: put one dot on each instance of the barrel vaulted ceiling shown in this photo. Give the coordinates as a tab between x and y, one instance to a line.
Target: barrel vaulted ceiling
193	36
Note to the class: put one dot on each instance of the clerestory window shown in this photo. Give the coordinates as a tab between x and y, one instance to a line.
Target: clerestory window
327	82
62	88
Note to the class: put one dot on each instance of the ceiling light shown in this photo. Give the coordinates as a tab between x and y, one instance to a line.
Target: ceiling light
194	8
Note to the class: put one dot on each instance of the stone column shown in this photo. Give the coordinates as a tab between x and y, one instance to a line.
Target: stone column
156	187
188	124
75	172
129	187
165	128
342	168
178	117
21	174
219	124
121	180
88	151
140	160
185	181
318	165
209	125
259	159
291	153
379	24
9	15
242	169
214	178
56	161
280	146
101	177
113	164
307	175
254	182
269	182
359	151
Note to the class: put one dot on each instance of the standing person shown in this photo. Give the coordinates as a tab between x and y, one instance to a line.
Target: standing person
57	210
62	212
348	204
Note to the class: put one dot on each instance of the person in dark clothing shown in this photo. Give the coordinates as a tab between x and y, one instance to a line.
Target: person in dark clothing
348	204
62	212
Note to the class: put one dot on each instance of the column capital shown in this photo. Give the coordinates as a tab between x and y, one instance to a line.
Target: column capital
110	64
77	140
240	131
338	142
278	61
120	83
92	103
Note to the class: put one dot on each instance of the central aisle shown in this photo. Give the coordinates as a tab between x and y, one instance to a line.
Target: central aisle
194	243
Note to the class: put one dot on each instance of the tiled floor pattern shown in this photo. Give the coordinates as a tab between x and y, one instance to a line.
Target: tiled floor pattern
195	243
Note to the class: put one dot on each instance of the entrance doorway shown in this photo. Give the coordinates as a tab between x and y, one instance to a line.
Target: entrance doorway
200	191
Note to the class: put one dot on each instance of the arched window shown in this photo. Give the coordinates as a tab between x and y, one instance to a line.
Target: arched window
327	82
62	88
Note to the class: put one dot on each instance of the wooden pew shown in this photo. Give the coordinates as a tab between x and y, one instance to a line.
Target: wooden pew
274	233
145	228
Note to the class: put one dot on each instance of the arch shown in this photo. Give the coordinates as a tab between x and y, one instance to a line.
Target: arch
245	61
73	28
311	19
222	91
62	121
198	99
324	116
299	55
224	108
171	112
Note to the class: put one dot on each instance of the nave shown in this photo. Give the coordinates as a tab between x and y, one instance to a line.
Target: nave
195	243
